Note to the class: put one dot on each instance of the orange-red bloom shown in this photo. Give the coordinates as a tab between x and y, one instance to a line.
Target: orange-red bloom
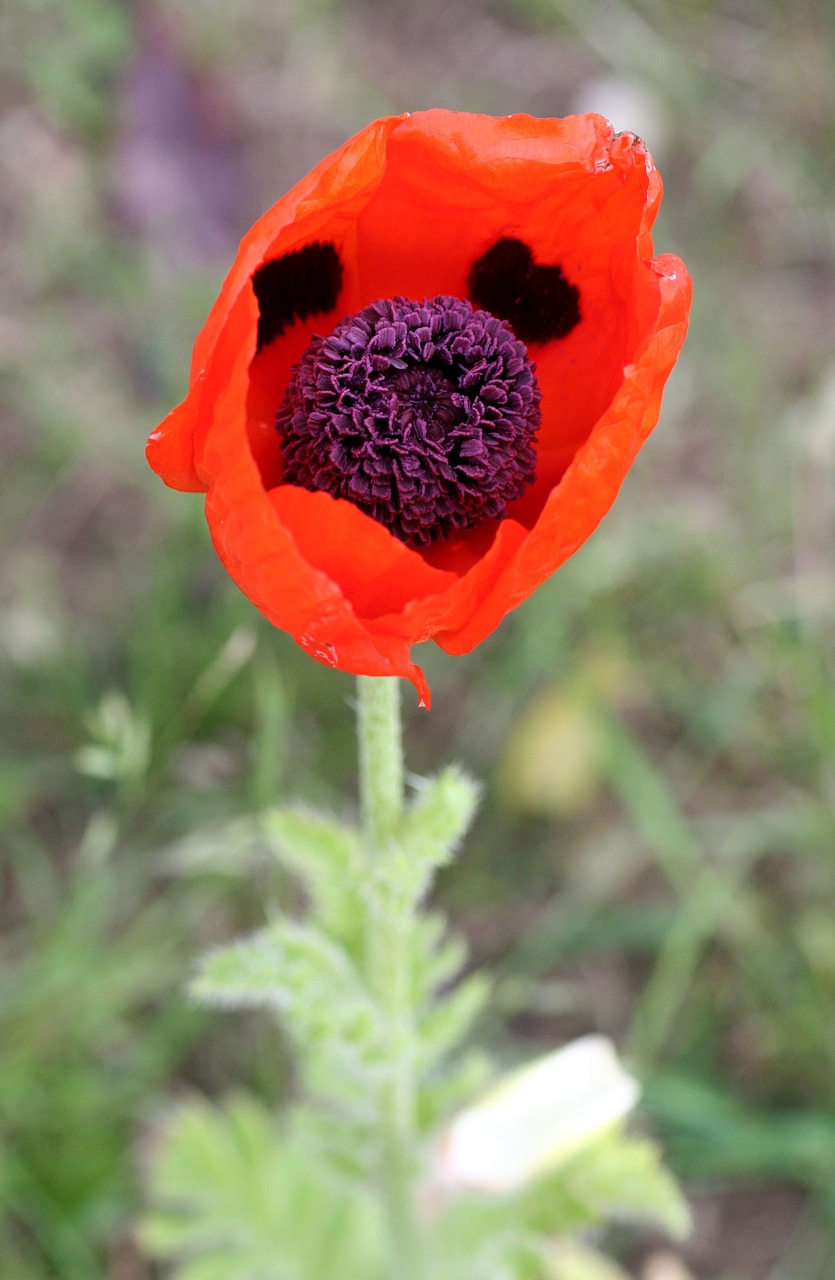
418	207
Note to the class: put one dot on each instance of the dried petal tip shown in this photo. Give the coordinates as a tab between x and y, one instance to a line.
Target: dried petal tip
423	414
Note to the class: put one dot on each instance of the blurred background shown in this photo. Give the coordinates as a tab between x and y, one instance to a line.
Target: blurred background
655	853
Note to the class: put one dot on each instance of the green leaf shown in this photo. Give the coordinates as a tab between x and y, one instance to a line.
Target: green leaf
327	858
428	836
435	823
231	848
444	1026
121	742
480	1239
234	1196
617	1178
449	1090
311	982
436	958
527	1236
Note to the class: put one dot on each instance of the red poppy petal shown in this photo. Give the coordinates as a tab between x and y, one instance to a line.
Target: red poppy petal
455	183
590	485
175	450
323	205
330	193
371	566
261	555
258	549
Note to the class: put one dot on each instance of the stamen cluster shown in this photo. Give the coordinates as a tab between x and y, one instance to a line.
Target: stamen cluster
423	414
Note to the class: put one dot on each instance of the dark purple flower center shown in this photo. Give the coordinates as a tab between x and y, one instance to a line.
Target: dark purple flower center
423	414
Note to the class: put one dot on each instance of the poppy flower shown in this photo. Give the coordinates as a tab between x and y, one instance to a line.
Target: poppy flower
425	378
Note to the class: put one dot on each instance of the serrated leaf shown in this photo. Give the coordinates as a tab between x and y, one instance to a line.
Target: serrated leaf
437	958
231	849
425	840
444	1026
482	1240
350	1145
311	982
448	1091
235	1197
617	1178
529	1234
326	856
431	831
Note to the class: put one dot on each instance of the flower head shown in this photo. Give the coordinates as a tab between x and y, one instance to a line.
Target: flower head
425	378
537	1117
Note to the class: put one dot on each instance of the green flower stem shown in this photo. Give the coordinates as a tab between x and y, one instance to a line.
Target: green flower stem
381	758
388	942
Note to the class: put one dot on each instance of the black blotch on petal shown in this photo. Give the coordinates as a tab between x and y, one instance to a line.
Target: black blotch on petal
536	301
299	284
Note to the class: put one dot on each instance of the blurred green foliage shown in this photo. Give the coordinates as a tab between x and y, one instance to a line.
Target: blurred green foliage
665	874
